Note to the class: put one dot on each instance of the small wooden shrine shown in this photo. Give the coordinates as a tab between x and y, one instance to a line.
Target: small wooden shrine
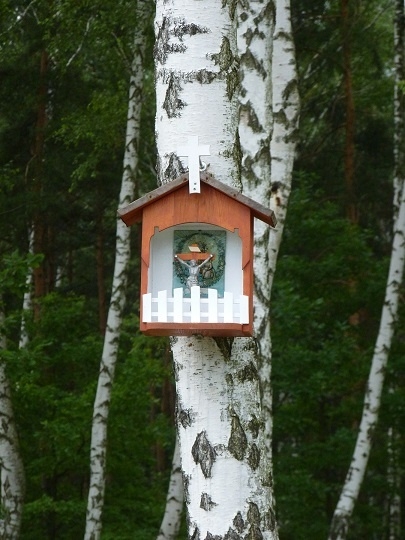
197	258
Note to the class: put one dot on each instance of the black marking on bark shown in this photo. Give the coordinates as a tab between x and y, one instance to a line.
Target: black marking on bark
161	48
229	379
268	479
250	34
229	65
206	502
249	60
248	373
254	457
291	88
253	514
186	483
253	517
213	537
232	82
243	16
255	425
231	6
237	443
182	29
204	76
232	535
225	58
225	346
238	522
270	519
196	534
237	156
203	453
185	418
252	118
254	533
174	168
176	371
172	103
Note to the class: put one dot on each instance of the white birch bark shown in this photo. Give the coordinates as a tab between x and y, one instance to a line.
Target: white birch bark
355	475
268	124
98	447
399	60
255	30
286	111
27	300
12	471
174	501
394	482
219	416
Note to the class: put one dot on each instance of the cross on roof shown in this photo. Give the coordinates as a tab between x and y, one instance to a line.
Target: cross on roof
193	151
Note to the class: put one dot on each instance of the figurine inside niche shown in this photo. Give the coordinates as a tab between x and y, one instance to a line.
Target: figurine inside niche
193	270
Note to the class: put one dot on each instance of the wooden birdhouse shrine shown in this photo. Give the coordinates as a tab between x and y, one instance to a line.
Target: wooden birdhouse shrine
197	258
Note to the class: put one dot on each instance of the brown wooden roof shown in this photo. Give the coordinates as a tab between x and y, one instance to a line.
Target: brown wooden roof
133	212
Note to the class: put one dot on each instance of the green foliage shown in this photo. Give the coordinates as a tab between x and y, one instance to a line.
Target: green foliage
328	289
327	296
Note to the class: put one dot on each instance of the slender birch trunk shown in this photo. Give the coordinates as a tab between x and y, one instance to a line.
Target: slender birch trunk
12	471
170	526
354	479
268	126
255	29
399	112
355	475
219	417
27	301
286	111
98	447
394	482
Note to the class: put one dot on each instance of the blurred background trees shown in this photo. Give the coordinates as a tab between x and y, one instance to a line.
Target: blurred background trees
64	71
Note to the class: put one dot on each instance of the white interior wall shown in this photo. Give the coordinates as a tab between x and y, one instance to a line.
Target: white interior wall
161	259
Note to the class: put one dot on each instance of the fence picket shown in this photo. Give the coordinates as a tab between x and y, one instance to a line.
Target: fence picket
195	304
178	305
212	306
162	306
228	309
147	307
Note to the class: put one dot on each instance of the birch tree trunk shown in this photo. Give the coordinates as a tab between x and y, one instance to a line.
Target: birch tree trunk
228	489
286	112
394	483
12	471
170	526
98	447
354	479
27	301
269	114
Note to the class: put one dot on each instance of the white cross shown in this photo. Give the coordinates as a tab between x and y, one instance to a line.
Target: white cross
193	152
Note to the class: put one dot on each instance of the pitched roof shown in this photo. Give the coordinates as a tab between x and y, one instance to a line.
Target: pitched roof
133	212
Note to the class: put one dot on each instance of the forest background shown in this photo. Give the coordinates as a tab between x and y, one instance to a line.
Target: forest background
64	76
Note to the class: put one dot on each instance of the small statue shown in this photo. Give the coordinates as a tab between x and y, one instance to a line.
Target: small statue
193	269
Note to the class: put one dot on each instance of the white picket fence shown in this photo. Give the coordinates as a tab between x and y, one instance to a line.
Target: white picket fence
177	309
